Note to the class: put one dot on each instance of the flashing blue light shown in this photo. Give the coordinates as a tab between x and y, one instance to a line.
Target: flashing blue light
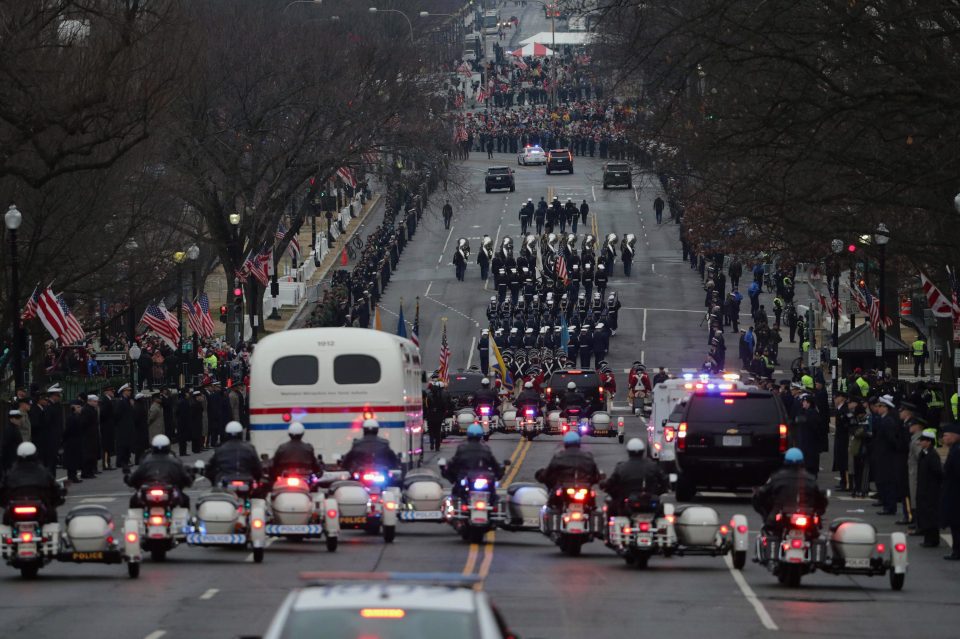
376	478
480	483
688	376
711	386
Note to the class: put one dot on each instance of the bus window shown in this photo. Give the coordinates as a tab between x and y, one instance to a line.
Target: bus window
356	369
295	370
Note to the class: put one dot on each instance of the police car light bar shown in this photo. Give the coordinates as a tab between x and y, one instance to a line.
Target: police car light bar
451	579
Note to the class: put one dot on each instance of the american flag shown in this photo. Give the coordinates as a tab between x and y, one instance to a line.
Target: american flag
56	317
444	356
294	247
939	304
874	314
415	333
821	298
482	95
461	134
465	69
521	64
346	174
562	270
162	323
193	318
257	265
206	322
30	308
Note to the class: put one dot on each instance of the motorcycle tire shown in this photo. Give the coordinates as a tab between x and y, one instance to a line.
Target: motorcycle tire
642	560
791	576
571	546
372	529
475	535
158	555
896	580
332	543
389	534
739	559
29	571
620	438
258	555
133	569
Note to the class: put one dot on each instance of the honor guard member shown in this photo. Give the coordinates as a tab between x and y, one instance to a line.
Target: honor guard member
483	346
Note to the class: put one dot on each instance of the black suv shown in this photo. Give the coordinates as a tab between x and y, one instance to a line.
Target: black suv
461	387
499	177
617	174
559	160
588	383
730	439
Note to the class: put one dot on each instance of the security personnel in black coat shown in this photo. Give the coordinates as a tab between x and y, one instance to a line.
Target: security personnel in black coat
586	347
370	450
161	467
926	512
435	410
233	457
806	433
473	454
183	421
124	425
639	476
295	455
788	489
570	465
28	479
950	489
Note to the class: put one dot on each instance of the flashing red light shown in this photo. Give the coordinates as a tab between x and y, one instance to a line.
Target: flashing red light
293	481
783	438
800	521
669	434
728	401
258	523
627	530
132	537
900	547
390	505
529	412
796	543
480	505
881	548
157	492
724	530
238	482
368	414
238	292
576	516
742	529
733	394
682	436
332	513
25	510
851	248
26	537
286	417
644	526
156	520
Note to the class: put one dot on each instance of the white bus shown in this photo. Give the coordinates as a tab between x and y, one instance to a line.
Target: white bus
491	22
330	380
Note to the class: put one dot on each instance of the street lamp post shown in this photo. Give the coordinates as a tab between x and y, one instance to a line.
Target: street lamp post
131	247
237	303
881	237
837	247
12	219
405	17
178	258
193	253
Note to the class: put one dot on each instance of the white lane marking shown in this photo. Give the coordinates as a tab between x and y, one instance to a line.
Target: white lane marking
643	337
210	594
473	341
156	634
636	194
653	267
269	543
643	355
427	294
750	596
444	251
89	500
593	191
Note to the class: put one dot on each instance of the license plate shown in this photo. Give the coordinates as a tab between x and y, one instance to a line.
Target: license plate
294	529
857	563
413	515
733	440
347	521
197	538
86	556
600	432
644	540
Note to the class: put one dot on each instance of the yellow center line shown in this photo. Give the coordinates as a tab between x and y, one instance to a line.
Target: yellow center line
596	230
471	559
487	560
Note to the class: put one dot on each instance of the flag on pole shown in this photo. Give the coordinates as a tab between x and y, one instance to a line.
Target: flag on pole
401	325
30	308
500	364
293	248
443	371
939	304
57	319
206	322
159	320
346	174
564	332
193	317
74	332
415	333
376	319
562	270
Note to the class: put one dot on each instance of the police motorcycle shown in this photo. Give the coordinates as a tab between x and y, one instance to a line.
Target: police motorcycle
477	505
644	525
571	518
298	507
529	414
231	513
29	541
793	544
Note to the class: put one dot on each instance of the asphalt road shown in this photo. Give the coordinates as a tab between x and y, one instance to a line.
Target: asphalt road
216	593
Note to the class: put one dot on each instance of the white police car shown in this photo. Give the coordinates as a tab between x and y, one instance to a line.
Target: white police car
387	606
531	154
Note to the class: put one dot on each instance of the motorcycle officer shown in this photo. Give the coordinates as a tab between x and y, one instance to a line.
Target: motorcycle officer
234	456
639	475
789	488
295	455
160	466
485	396
370	450
572	398
568	466
473	454
528	397
29	479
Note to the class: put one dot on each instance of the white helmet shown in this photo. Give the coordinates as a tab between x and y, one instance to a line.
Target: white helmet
160	443
26	450
486	380
295	430
636	446
234	429
571	386
371	427
528	385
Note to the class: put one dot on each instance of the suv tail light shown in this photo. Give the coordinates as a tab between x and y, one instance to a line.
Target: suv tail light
669	433
682	436
783	438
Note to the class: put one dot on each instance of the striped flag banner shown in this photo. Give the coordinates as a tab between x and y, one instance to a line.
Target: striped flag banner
161	322
57	319
193	318
444	370
30	308
206	322
74	332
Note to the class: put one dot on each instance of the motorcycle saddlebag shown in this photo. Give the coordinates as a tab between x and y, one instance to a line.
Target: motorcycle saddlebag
852	539
697	525
88	528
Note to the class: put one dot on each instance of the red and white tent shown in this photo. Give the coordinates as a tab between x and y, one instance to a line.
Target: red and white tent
534	49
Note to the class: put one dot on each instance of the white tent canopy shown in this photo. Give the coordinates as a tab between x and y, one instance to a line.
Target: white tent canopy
562	39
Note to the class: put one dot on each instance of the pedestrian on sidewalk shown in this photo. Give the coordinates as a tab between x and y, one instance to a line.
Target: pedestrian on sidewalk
754	293
735	271
447	214
950	500
920	355
658	205
929	479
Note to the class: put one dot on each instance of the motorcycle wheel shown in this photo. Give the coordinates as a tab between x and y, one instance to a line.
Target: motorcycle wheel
29	571
620	438
571	546
258	555
158	554
896	580
332	544
739	559
642	560
791	576
372	528
133	569
389	534
474	535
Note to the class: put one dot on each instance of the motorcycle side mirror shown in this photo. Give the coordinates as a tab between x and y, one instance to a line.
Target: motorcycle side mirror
672	477
442	462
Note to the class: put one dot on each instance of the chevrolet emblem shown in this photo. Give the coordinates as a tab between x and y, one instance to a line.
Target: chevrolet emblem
732	431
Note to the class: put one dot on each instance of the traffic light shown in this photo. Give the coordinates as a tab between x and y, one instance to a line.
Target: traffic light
223	313
237	292
851	248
